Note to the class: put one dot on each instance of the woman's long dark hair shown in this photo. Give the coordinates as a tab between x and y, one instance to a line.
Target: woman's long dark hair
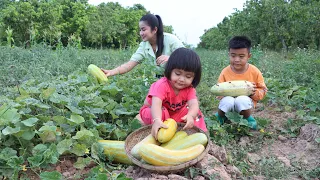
155	21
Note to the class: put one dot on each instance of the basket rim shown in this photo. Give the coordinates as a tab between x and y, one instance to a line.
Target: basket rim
165	168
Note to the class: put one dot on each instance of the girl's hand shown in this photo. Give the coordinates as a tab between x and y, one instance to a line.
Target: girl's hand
157	124
189	121
162	59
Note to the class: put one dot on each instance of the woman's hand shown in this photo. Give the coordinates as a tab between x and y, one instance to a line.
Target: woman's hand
189	121
107	72
162	59
157	124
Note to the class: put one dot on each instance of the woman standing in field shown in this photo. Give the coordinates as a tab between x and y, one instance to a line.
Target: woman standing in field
156	46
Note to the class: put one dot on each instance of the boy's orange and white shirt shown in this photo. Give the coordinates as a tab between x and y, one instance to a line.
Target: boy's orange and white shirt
252	74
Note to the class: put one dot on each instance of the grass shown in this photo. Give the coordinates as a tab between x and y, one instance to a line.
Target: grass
292	82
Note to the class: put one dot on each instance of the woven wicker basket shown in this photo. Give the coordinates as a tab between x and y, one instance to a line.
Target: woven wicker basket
139	134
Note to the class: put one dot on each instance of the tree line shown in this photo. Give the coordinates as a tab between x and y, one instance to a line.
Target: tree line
64	22
271	24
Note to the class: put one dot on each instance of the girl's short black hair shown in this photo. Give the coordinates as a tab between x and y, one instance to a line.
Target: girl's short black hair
187	60
238	42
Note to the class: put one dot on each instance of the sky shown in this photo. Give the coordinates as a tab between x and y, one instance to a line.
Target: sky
189	18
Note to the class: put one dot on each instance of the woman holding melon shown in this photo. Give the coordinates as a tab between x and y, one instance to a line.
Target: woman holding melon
156	46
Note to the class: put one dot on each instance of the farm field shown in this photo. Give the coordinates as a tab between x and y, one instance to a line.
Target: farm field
52	113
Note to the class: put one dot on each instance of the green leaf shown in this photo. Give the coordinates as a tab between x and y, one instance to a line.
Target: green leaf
47	93
59	98
28	134
96	150
47	136
76	119
74	109
39	149
83	134
79	149
9	130
119	134
15	162
8	115
122	111
51	154
101	176
64	145
30	122
82	162
59	119
48	128
121	176
35	160
7	153
134	124
54	175
317	140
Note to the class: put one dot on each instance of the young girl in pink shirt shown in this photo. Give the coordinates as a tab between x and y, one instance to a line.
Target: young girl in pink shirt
174	96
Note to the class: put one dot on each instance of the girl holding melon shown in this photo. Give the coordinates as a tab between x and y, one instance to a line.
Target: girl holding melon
174	96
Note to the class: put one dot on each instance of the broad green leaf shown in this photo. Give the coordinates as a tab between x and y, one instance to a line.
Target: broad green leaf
28	134
112	89
96	150
47	93
59	119
64	145
48	128
74	109
51	154
47	136
54	175
30	122
35	102
134	124
317	140
8	115
15	162
82	162
76	119
120	176
122	111
22	97
9	130
300	113
39	149
59	99
79	149
7	153
83	134
102	176
35	160
119	134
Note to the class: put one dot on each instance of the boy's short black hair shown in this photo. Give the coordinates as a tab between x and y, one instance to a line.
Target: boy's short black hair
238	42
187	60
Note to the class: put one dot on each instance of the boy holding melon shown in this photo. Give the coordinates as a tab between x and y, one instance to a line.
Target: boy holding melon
240	70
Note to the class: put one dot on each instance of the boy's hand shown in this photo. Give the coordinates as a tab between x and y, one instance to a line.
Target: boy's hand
189	121
219	97
157	124
254	89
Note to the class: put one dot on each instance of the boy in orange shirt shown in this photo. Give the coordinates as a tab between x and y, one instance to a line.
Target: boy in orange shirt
240	69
